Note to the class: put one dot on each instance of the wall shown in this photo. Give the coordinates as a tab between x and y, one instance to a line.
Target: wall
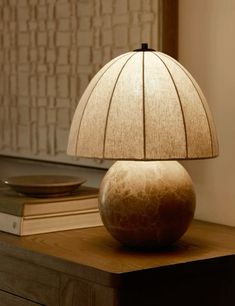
49	50
207	50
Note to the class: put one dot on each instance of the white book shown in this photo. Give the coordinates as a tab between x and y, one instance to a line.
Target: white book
29	225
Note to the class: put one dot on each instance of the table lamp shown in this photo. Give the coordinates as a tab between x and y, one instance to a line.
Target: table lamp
145	110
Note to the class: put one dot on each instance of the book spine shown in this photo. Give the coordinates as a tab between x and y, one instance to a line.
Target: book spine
60	223
69	213
60	207
22	226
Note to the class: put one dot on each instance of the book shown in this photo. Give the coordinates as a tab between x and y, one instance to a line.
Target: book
35	224
20	205
22	215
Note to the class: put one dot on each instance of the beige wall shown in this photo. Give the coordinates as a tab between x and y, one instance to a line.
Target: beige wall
49	50
207	50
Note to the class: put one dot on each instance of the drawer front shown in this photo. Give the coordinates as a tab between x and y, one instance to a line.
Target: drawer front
29	281
8	299
77	292
23	284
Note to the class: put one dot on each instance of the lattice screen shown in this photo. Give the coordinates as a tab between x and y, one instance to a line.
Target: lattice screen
49	50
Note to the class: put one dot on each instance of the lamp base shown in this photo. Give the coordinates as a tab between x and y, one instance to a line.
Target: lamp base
147	204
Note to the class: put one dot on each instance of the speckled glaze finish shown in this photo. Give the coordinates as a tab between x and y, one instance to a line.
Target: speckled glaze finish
147	204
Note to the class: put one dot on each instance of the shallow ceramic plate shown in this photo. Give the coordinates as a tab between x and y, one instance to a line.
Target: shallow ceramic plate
44	185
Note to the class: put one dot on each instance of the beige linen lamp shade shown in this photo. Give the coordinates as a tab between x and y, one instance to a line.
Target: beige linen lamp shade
144	106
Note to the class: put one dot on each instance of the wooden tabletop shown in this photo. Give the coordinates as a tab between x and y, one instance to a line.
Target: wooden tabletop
94	255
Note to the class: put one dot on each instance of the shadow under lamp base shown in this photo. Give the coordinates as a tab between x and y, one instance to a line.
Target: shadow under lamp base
147	204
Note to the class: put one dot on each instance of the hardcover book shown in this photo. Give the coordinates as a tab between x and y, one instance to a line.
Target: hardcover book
22	215
17	204
30	225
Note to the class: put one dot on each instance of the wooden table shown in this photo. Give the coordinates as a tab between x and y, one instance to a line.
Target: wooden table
89	268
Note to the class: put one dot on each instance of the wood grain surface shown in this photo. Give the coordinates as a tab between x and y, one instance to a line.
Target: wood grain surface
7	299
88	267
78	251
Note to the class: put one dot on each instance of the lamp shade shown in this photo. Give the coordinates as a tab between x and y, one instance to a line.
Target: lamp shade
143	105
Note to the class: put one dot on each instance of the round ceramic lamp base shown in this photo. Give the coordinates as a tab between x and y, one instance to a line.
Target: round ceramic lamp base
147	204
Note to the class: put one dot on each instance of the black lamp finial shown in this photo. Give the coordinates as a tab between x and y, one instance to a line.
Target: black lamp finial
144	47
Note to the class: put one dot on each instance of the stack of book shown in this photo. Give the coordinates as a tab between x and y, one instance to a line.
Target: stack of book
22	215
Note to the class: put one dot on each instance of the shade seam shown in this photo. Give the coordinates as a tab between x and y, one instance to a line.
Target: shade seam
180	102
144	128
189	76
84	109
110	101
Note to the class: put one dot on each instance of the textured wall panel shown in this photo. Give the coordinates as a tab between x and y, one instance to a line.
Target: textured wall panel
49	50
